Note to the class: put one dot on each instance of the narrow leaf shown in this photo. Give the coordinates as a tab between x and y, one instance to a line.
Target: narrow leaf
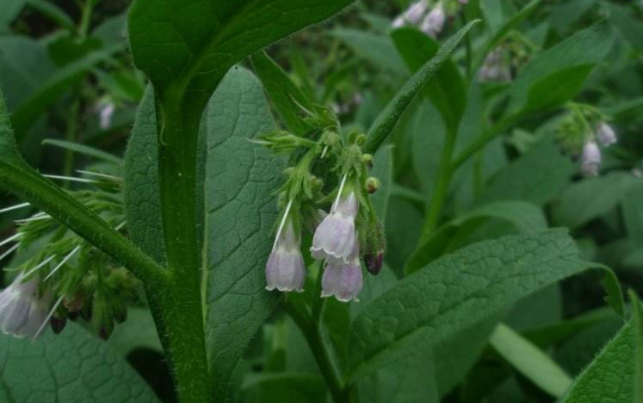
529	360
387	120
85	150
286	96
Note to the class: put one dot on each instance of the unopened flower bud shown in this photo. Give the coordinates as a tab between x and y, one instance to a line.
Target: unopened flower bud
374	262
58	324
591	159
367	159
106	114
372	185
606	135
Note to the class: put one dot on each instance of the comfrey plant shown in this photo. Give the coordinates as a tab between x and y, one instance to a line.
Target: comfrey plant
246	215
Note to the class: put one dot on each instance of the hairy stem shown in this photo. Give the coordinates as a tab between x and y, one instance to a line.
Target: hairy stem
179	309
311	331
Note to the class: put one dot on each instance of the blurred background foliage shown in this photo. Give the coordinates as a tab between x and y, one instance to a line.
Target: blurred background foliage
62	63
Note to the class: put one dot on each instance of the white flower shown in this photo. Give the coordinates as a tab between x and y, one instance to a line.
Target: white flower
433	24
106	114
22	312
285	270
591	159
606	134
335	237
343	280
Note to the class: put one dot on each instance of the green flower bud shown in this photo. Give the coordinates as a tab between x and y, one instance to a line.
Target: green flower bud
372	185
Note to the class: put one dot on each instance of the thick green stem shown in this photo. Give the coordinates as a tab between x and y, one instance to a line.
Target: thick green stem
441	190
179	309
312	333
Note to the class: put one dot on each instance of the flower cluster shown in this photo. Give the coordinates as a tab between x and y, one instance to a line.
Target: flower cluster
66	279
583	131
429	19
329	169
514	52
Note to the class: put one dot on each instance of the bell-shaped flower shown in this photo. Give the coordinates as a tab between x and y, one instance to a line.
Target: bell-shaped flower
343	280
106	114
22	311
335	237
285	270
434	21
606	135
591	159
416	11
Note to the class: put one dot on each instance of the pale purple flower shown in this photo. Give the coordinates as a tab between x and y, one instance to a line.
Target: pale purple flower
591	159
606	134
433	23
335	237
343	280
285	270
22	311
413	15
106	114
494	68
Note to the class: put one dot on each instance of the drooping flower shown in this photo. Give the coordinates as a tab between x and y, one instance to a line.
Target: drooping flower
335	237
494	68
433	23
606	135
343	280
285	270
413	15
106	114
22	311
591	159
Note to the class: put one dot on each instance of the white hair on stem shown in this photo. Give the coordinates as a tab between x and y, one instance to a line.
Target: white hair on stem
41	265
10	239
70	178
10	251
51	313
339	193
16	207
62	262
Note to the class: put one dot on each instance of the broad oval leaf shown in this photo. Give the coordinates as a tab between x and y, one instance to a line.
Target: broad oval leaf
457	291
240	212
71	367
581	51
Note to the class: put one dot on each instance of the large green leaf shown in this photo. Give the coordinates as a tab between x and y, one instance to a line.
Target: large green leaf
525	217
610	377
191	44
71	367
142	200
240	213
537	177
567	64
591	198
457	291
